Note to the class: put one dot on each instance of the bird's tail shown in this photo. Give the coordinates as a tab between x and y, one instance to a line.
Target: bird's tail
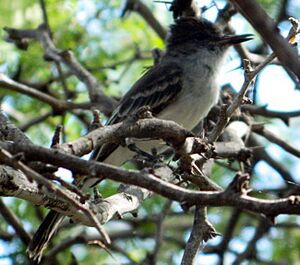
43	235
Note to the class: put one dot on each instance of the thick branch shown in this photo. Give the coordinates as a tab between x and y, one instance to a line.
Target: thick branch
151	182
14	183
10	132
144	128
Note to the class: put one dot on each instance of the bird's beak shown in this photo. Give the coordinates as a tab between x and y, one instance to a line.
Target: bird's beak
235	39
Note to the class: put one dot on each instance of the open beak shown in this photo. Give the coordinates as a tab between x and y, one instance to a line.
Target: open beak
235	39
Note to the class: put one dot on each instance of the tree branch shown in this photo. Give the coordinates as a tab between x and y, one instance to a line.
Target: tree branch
151	182
57	104
12	220
41	34
145	13
202	231
261	21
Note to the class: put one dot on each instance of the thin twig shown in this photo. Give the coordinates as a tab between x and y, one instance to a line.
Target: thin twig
57	104
261	130
261	21
159	234
12	220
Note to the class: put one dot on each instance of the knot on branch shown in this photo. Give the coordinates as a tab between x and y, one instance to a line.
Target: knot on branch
43	27
67	55
209	232
258	127
240	184
249	72
142	113
244	155
96	123
13	37
187	164
9	183
295	29
57	135
191	152
195	145
247	100
294	199
19	156
42	168
201	146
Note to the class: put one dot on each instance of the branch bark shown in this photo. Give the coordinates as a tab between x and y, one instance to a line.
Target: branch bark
41	34
267	28
153	183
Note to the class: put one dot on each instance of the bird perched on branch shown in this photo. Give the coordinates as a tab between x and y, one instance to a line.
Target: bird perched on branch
182	87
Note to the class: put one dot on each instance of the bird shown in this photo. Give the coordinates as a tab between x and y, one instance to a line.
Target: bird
182	87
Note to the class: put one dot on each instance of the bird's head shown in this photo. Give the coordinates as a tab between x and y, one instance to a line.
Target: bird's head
201	33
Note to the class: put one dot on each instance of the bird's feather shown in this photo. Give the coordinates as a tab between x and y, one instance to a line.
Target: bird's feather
157	88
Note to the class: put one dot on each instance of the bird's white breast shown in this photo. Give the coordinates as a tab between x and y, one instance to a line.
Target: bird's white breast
199	94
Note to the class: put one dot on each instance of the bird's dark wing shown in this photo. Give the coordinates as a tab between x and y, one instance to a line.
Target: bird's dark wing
157	88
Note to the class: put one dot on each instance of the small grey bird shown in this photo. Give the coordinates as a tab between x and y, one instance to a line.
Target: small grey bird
182	87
